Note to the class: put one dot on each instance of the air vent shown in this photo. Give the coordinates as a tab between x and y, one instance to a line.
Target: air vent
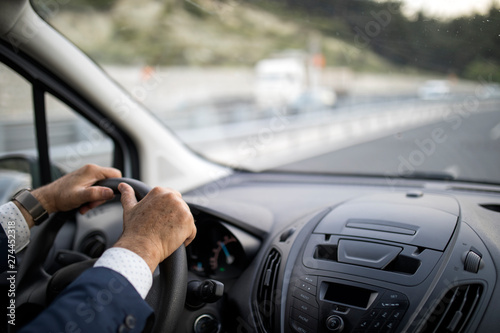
453	312
266	291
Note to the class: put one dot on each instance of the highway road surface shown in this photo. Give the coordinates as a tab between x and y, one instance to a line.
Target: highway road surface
462	145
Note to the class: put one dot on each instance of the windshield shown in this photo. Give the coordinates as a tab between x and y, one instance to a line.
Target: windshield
385	88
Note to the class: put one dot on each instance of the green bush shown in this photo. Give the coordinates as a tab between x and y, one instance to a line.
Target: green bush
482	69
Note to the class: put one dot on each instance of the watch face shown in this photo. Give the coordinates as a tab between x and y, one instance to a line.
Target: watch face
18	193
32	205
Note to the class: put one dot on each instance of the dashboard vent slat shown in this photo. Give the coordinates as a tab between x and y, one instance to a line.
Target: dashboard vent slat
267	290
476	296
454	310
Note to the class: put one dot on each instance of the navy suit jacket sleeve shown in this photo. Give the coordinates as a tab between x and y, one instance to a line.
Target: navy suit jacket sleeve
99	300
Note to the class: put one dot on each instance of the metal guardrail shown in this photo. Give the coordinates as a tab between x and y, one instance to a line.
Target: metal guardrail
238	135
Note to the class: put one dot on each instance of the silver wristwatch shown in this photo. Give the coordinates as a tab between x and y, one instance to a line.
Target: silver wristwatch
32	205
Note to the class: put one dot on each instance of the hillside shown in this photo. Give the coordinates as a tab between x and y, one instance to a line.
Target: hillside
201	33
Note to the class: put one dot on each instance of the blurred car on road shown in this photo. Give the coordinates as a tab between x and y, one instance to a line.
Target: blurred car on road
434	90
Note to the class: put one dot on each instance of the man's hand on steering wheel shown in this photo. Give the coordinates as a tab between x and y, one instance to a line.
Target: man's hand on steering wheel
75	190
155	226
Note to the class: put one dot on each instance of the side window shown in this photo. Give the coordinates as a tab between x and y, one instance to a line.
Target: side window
72	140
17	132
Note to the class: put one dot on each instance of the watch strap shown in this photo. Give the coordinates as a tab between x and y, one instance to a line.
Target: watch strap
32	205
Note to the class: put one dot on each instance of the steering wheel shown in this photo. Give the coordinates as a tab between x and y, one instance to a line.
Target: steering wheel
36	288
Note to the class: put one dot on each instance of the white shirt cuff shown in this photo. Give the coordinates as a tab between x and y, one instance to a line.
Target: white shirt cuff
130	265
13	223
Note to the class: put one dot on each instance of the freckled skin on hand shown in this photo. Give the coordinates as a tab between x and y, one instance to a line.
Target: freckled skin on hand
157	225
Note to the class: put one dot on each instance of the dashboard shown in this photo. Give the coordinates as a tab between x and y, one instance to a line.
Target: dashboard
315	253
300	253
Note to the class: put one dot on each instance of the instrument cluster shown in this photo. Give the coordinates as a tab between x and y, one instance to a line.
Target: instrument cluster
216	252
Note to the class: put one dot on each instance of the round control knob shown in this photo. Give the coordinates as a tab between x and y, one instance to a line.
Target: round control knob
472	262
206	323
335	323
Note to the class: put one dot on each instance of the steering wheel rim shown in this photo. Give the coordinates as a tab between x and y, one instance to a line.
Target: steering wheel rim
166	297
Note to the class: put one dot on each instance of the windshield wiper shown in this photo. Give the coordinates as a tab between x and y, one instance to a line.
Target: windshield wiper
434	175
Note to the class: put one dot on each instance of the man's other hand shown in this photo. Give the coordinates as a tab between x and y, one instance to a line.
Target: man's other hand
157	225
75	190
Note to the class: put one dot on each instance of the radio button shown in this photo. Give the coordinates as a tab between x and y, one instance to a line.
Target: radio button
393	296
377	324
309	309
397	315
310	279
306	287
389	326
305	297
304	319
373	313
391	305
365	323
299	328
384	314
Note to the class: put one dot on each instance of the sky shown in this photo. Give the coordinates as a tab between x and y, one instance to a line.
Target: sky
448	8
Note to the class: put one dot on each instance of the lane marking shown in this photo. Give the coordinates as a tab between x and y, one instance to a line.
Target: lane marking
495	132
